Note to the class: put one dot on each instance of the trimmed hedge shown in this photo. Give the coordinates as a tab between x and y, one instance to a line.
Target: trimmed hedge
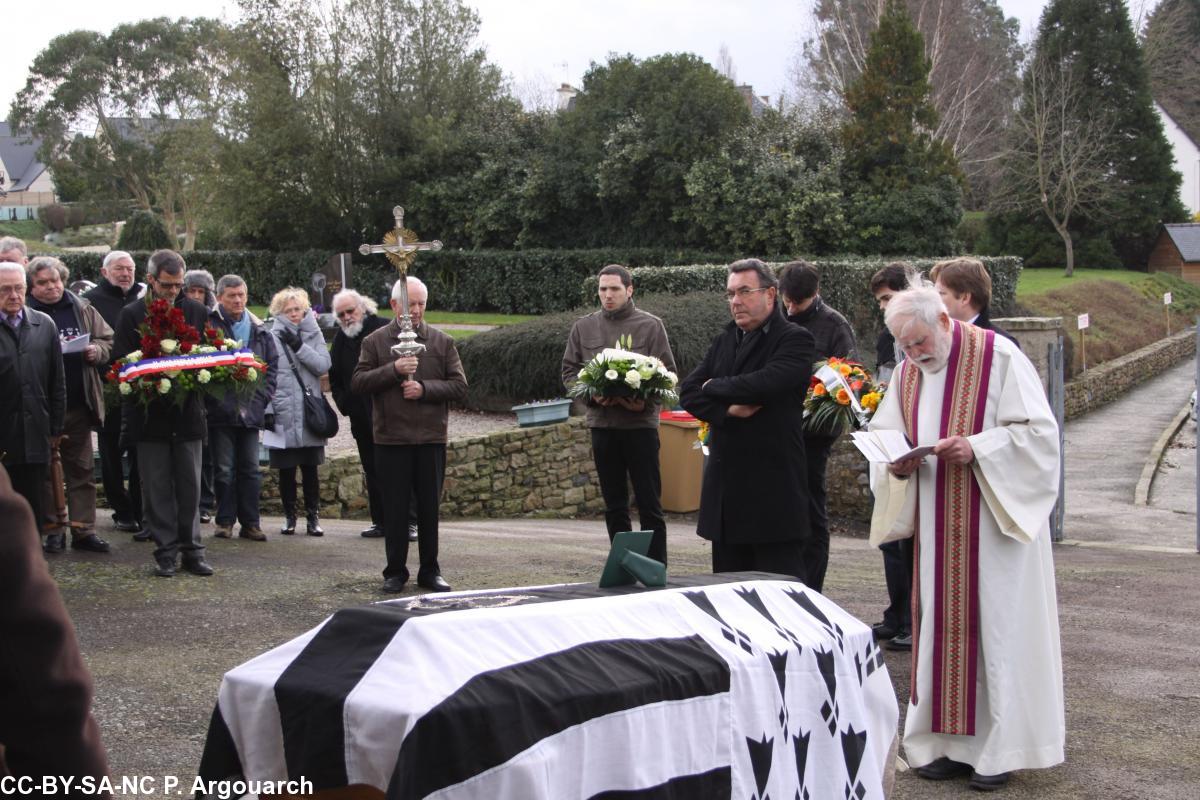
508	282
844	286
520	363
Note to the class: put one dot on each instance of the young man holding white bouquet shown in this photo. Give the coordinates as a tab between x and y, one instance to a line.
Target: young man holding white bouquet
624	427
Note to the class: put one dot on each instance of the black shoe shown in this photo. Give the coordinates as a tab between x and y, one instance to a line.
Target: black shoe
165	568
314	525
901	642
55	543
883	630
394	585
412	531
127	526
205	517
373	532
943	769
435	583
988	783
197	566
92	543
289	526
142	536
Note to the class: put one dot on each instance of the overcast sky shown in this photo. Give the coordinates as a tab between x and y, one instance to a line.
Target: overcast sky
539	43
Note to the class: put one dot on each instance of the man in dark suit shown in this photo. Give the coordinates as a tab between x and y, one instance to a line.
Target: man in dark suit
966	289
168	436
750	388
33	401
357	320
46	724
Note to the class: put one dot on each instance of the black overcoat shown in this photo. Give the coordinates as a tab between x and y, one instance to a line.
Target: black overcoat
755	484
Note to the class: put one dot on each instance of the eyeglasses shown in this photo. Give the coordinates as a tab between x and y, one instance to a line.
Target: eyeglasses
745	292
12	288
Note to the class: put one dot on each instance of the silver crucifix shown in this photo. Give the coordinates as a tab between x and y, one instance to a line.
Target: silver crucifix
402	253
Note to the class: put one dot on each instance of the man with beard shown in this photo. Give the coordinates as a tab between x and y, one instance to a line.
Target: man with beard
987	691
117	289
74	317
356	320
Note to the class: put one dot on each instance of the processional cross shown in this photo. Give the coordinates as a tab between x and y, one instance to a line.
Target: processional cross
400	245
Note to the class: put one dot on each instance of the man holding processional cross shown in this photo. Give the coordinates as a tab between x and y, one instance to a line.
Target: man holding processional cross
987	691
411	372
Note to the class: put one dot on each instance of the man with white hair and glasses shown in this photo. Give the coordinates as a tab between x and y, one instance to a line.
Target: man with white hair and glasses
987	691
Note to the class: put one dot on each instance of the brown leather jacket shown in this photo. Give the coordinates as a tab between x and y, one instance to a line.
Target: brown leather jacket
439	369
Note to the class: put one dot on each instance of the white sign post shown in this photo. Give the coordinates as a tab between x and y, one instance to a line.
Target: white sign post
1083	322
1167	306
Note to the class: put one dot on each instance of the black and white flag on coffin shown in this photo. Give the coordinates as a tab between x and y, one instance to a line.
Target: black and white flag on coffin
711	691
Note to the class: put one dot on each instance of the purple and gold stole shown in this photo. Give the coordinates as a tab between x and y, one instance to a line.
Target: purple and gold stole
956	532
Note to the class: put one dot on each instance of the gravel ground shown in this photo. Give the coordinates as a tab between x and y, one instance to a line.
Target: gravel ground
463	425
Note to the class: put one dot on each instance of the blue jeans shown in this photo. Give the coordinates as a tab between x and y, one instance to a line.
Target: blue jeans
236	477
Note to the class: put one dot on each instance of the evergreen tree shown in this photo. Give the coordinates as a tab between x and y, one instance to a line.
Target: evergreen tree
1094	40
890	146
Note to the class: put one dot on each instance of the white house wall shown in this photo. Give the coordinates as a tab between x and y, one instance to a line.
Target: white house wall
1187	161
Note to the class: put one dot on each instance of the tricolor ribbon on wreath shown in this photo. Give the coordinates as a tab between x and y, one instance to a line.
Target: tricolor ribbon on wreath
155	366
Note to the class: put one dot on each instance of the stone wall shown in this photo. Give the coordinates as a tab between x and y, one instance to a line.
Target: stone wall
548	471
1111	379
543	471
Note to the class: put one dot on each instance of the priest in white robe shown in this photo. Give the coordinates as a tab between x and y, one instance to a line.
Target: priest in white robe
987	691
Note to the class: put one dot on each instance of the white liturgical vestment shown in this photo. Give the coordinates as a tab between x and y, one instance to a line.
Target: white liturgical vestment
1018	704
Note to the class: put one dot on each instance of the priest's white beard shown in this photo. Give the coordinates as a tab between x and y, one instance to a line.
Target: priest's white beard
351	329
936	361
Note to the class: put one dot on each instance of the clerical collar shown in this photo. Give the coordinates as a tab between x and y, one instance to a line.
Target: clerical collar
619	313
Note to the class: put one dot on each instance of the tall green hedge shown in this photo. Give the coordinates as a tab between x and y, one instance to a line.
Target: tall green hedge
519	363
510	282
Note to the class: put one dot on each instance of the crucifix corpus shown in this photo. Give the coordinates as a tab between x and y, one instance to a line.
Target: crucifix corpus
400	245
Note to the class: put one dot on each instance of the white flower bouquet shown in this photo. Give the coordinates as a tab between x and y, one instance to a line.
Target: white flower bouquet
620	373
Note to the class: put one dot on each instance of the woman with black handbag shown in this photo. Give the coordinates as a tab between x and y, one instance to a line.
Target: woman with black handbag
303	419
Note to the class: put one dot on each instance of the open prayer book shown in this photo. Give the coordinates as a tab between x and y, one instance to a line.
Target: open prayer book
887	446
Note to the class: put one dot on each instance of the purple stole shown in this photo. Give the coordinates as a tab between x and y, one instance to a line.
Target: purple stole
956	532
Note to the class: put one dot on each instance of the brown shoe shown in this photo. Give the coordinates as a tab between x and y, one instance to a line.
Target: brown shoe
223	531
253	534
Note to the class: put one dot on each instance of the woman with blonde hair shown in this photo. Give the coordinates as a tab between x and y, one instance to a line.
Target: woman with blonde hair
288	441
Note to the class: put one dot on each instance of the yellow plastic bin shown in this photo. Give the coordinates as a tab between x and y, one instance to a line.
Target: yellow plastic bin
679	461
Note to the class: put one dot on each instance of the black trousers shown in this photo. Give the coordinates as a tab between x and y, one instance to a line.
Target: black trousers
815	548
626	456
366	455
29	481
784	558
126	505
312	489
411	470
898	572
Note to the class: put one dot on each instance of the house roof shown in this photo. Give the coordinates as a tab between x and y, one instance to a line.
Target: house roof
1186	238
19	155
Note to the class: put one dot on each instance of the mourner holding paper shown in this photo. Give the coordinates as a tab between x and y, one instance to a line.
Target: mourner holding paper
987	692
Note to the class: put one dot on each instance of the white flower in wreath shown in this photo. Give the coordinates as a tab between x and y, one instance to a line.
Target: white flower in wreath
169	346
136	355
252	374
124	388
204	376
633	379
646	371
611	375
204	349
164	386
